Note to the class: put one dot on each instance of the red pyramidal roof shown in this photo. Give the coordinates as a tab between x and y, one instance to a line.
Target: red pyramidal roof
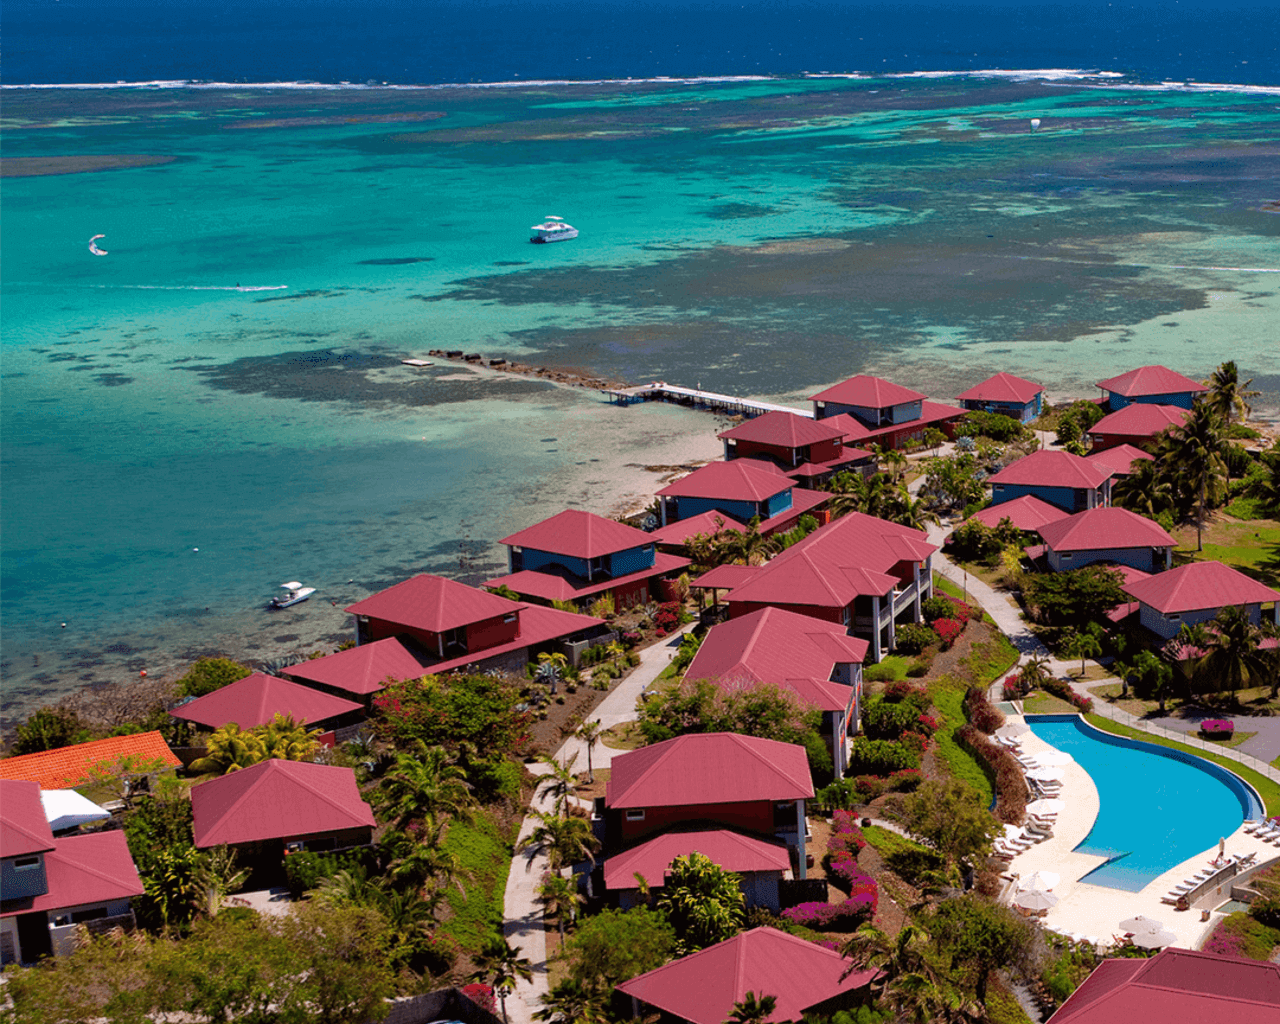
580	535
1177	986
433	603
1003	387
1048	468
68	767
706	523
739	480
365	669
1105	528
1121	458
24	829
783	429
702	988
709	768
868	393
1198	586
731	850
1140	419
257	699
1150	380
94	868
1026	513
277	800
772	645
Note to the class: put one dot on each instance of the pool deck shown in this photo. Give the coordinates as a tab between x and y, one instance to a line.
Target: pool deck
1094	910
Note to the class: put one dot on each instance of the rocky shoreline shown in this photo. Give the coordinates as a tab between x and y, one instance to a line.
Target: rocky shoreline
566	377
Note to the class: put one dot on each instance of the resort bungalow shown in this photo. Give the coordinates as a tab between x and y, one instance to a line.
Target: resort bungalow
1005	395
804	978
257	699
1176	986
674	537
1197	592
1027	513
743	489
806	450
1120	459
580	557
760	865
1071	482
453	626
1138	425
360	672
69	767
755	786
50	887
1106	535
815	661
275	808
871	410
859	572
1149	385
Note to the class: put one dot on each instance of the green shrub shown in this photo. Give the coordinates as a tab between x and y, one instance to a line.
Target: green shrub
209	674
485	858
887	670
938	608
913	637
879	757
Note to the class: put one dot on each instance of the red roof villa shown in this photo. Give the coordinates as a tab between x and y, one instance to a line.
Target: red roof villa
874	411
580	557
453	626
816	661
859	572
49	887
674	537
1150	385
1069	481
68	767
802	976
1197	592
1107	535
257	699
276	807
1005	395
806	450
1027	513
1120	459
1176	986
743	489
760	864
1138	425
360	672
751	785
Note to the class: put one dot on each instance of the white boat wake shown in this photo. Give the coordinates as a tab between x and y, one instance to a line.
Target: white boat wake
199	287
93	246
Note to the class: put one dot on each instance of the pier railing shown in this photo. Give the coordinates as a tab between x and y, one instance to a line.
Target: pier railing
1189	739
661	391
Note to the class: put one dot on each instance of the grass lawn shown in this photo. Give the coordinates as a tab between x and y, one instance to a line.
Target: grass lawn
1252	546
1047	704
1235	740
889	842
945	586
991	575
1268	790
484	855
991	659
626	736
949	700
888	669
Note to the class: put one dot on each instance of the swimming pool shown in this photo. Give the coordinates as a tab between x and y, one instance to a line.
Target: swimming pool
1159	806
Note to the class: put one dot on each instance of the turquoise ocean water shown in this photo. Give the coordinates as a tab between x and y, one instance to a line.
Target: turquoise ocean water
758	237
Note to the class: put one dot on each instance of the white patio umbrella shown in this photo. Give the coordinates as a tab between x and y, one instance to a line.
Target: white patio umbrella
1051	806
1012	730
1049	773
1138	923
1044	880
1036	899
1055	757
1154	940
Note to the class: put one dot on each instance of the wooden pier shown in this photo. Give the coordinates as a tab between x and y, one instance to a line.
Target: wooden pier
661	391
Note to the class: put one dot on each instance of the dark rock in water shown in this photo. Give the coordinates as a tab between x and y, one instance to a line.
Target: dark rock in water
396	261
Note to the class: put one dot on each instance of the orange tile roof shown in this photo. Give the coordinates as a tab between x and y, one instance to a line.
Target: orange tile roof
68	767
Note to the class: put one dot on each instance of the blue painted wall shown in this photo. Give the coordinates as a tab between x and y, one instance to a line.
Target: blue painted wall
1139	558
1182	399
623	563
780	502
1023	413
1068	499
687	508
535	560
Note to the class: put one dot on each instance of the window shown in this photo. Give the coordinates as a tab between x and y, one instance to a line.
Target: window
635	814
784	815
1067	556
1173	617
26	863
510	618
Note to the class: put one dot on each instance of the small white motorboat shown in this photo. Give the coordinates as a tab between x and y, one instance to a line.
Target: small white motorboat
553	229
294	593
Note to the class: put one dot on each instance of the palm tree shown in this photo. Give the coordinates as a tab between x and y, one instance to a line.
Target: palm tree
501	966
572	1002
589	733
287	740
561	898
1198	448
551	669
753	1009
1227	397
895	464
1233	653
565	840
217	876
560	782
1147	490
424	785
911	512
1082	646
229	749
907	979
420	856
703	902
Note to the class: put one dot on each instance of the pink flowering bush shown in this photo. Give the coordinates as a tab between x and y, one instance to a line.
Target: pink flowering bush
482	995
948	631
1015	687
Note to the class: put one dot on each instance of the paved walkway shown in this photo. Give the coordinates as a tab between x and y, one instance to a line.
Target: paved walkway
523	926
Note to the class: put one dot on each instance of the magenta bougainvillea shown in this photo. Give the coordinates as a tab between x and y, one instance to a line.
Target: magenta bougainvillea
948	631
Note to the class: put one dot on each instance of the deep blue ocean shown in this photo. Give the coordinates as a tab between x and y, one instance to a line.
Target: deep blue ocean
410	42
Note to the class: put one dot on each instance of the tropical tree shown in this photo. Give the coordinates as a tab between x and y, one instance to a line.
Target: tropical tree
949	817
753	1009
229	749
589	733
895	465
424	784
1227	397
981	936
906	979
216	877
418	857
49	729
500	967
572	1002
1197	452
703	902
565	840
1082	646
911	512
1234	651
561	898
560	782
552	666
1148	490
